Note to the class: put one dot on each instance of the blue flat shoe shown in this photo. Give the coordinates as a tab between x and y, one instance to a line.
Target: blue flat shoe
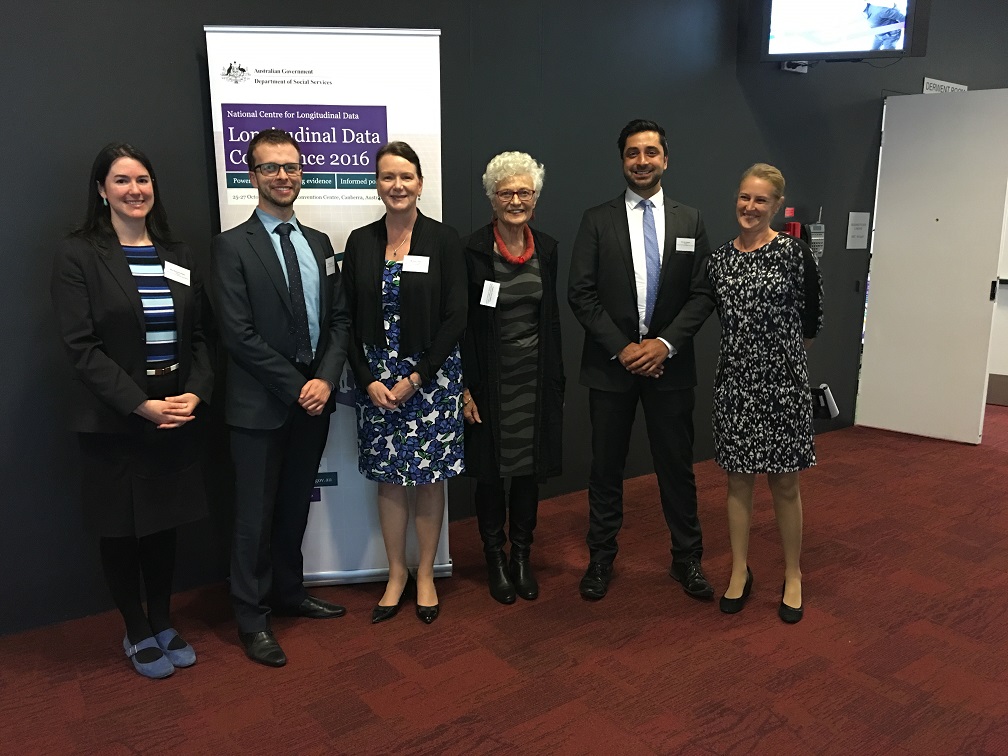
157	669
179	657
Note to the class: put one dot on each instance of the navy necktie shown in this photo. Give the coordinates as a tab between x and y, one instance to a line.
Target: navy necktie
299	327
653	258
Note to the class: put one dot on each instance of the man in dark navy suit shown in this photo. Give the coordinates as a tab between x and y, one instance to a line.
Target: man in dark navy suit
638	284
285	323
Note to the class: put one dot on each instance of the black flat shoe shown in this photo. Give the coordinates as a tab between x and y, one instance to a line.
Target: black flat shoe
427	614
381	613
312	608
789	614
693	580
595	583
262	648
734	605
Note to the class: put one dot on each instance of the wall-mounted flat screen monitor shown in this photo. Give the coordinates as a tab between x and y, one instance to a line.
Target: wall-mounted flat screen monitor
843	29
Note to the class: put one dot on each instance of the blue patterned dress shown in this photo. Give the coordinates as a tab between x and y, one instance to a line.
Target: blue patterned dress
421	441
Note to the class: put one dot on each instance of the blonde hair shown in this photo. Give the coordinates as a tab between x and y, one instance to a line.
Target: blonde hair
768	173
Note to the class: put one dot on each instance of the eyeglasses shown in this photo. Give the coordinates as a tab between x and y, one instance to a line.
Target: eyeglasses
506	195
272	169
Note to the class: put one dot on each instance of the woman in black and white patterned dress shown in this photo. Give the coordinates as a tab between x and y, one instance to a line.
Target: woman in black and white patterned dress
769	300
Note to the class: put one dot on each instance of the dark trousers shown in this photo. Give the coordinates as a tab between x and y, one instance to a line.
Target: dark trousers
669	418
520	511
274	477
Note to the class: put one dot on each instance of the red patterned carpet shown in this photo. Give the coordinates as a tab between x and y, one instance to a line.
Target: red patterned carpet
903	649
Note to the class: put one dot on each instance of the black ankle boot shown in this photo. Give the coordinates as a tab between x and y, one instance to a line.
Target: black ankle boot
520	570
500	583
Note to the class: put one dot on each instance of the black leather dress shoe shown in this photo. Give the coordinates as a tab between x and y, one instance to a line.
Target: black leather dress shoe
692	578
313	608
381	613
428	614
734	605
595	582
262	647
789	614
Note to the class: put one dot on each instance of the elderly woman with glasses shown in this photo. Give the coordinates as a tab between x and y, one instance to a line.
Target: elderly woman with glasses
513	371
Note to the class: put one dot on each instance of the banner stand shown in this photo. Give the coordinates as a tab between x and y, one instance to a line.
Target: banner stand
309	81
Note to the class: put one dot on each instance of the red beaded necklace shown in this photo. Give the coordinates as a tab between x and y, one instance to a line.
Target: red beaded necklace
502	247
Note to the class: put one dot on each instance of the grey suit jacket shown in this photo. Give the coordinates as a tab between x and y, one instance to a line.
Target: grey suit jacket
254	312
603	294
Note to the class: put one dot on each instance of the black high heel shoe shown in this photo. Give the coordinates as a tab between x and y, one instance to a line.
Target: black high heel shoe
427	614
734	605
787	613
381	613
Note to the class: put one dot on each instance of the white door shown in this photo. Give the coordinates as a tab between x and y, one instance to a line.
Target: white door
943	178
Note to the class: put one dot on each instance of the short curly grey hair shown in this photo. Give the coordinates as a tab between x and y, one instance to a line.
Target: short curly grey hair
509	164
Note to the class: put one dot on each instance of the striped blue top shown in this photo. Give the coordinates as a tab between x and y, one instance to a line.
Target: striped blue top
158	306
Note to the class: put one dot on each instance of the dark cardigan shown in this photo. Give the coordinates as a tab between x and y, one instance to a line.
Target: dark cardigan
481	364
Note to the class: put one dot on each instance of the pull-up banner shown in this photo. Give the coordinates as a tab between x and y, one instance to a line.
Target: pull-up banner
342	95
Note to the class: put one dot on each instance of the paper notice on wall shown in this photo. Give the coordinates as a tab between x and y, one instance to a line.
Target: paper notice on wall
858	230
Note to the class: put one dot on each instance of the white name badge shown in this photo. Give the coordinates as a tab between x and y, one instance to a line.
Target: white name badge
415	264
685	244
330	265
490	291
175	272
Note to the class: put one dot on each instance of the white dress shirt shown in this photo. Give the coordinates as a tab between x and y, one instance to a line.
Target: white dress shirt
635	219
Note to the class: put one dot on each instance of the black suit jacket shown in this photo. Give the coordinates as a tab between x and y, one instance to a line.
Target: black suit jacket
432	305
101	319
603	294
254	312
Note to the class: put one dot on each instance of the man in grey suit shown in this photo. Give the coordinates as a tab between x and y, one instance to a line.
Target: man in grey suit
285	323
638	285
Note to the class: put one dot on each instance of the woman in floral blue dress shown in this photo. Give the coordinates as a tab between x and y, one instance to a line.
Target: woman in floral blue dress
405	278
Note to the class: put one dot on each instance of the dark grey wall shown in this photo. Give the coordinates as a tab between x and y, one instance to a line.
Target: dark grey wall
557	79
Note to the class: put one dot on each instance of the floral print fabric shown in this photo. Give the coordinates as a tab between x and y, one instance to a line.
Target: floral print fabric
419	442
762	411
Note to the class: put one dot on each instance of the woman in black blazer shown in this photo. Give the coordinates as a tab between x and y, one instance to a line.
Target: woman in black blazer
514	376
405	282
128	304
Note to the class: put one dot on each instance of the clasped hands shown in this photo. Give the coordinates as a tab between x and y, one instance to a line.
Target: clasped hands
646	358
314	396
170	412
391	398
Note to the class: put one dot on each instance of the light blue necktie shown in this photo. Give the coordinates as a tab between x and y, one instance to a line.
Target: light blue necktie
653	258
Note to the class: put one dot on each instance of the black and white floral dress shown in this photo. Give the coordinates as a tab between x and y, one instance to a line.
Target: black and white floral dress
767	301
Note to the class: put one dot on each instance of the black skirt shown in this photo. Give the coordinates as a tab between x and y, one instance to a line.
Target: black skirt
141	483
